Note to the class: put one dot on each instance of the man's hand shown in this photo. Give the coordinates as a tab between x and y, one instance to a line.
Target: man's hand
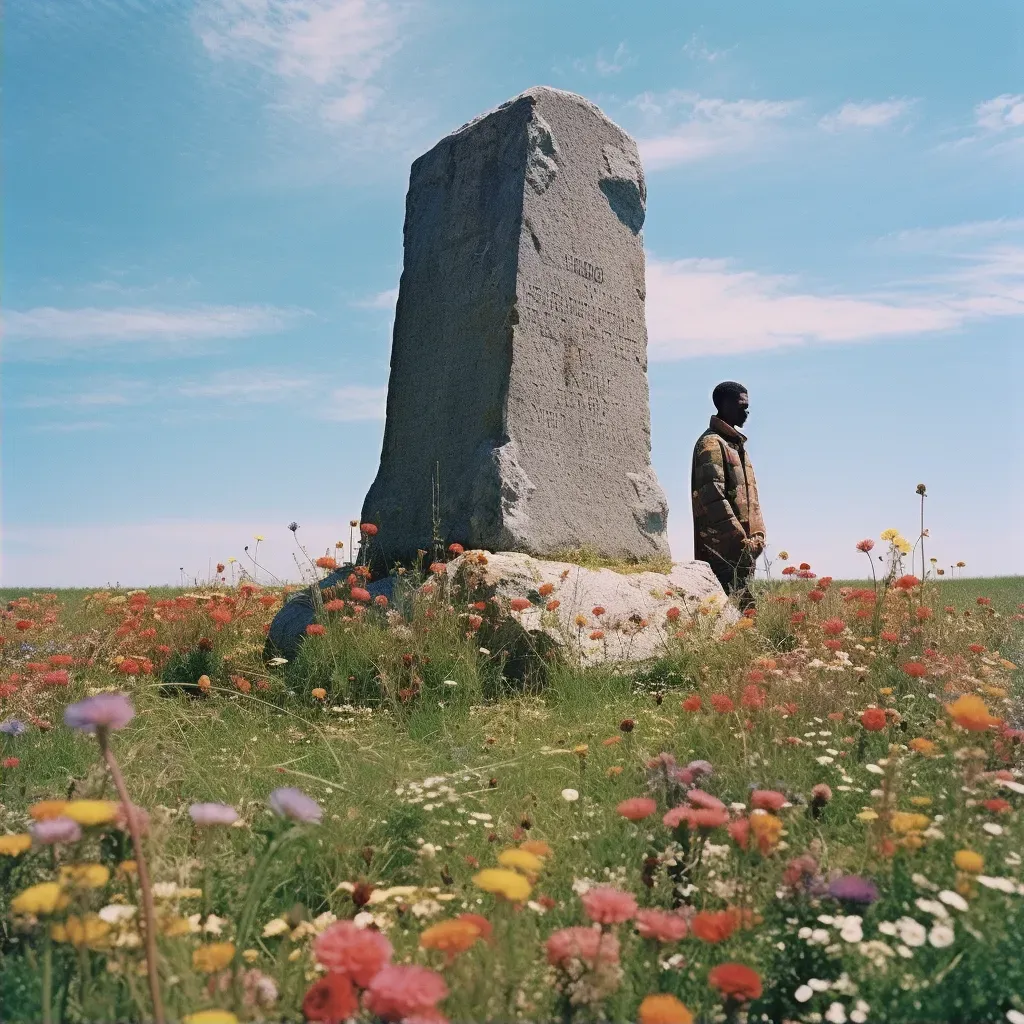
754	546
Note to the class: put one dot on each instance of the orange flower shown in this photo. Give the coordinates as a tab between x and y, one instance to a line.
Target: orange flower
537	847
203	682
597	634
971	713
663	1009
315	629
519	604
552	604
451	937
318	693
692	703
326	562
546	588
736	981
767	829
597	610
923	746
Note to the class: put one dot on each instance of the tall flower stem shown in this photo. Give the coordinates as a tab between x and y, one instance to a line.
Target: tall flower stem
47	977
148	908
248	914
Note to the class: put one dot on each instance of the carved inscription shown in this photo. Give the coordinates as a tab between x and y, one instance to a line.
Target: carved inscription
588	271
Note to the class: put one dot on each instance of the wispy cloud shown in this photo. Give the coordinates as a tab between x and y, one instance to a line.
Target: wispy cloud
381	300
956	234
355	402
696	127
603	65
1001	113
712	307
324	55
70	426
866	115
249	386
45	331
696	48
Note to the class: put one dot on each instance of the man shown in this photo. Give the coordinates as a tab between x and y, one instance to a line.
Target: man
728	531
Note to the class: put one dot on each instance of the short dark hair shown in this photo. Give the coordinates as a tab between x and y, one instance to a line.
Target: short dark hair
725	391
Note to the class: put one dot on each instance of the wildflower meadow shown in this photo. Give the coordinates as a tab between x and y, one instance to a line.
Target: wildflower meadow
808	812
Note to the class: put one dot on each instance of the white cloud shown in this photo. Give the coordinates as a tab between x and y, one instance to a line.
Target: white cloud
620	59
866	115
381	300
1001	113
697	127
710	307
70	426
324	54
355	402
45	331
927	238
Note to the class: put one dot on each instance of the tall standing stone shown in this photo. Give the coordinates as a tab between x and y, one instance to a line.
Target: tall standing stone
518	408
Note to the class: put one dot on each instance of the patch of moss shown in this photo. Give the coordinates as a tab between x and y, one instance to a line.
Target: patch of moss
588	558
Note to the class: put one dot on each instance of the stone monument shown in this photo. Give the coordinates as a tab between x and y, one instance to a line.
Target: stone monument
518	407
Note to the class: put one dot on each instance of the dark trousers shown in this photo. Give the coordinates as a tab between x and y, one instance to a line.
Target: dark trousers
735	578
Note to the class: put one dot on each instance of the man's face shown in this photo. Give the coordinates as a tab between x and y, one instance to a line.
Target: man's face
736	411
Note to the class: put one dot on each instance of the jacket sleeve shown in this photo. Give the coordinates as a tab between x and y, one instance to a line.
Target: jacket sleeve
709	484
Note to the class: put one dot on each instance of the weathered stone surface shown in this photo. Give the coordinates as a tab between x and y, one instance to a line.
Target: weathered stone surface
518	404
627	600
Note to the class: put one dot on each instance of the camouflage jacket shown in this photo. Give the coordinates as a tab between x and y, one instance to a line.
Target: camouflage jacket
726	509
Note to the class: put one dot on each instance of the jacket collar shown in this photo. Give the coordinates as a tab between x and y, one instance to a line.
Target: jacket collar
726	430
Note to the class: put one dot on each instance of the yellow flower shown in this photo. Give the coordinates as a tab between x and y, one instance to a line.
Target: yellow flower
971	713
13	846
91	812
766	828
88	931
47	809
214	957
250	956
921	801
231	560
44	898
906	821
502	882
994	691
902	545
210	1017
867	815
968	860
744	624
85	876
580	620
885	691
581	749
127	868
521	860
257	536
173	927
890	534
784	555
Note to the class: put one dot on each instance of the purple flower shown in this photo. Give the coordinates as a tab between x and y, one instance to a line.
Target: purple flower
292	803
205	815
56	830
698	768
104	711
853	889
12	727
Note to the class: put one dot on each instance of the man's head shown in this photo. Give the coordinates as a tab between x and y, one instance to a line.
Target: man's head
731	402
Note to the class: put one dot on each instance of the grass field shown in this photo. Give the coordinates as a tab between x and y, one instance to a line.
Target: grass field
431	767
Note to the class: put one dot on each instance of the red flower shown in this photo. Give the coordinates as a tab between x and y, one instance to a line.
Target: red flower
380	601
740	832
805	574
804	566
916	669
833	627
368	529
797	617
475	621
330	1000
692	703
722	704
129	667
56	678
907	582
335	605
865	545
23	624
360	594
753	697
673	613
977	648
519	604
984	601
736	981
997	805
61	660
326	562
315	629
713	925
598	610
11	762
873	720
890	638
552	604
597	634
816	596
924	613
789	570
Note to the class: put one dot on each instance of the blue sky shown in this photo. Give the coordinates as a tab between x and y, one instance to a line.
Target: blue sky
202	238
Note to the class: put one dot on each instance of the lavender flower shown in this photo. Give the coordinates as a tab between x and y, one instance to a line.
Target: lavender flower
853	889
205	815
56	830
104	711
292	803
12	727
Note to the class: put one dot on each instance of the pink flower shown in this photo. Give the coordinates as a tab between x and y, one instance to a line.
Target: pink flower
637	808
699	798
767	799
104	711
865	545
739	830
660	925
397	992
607	905
359	953
586	944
